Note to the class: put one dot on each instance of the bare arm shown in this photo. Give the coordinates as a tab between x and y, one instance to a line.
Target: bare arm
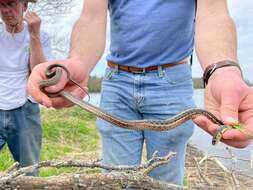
87	47
227	96
89	36
215	33
36	54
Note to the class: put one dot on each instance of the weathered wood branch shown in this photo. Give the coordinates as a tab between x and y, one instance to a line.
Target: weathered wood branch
121	177
114	180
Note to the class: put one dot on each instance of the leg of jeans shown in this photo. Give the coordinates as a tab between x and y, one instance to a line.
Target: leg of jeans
119	146
25	142
166	94
2	141
164	143
3	131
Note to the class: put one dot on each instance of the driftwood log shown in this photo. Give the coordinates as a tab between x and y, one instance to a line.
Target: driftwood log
114	180
202	172
118	177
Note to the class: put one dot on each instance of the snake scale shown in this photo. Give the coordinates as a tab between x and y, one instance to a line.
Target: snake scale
54	76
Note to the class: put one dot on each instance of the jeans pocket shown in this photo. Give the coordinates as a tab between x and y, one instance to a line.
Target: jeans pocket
31	108
178	74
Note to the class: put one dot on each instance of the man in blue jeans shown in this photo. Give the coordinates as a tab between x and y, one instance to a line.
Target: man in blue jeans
148	75
23	46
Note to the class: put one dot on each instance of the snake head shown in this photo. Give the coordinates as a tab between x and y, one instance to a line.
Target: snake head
218	134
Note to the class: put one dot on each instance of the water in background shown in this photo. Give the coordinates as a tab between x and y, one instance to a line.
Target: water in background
202	141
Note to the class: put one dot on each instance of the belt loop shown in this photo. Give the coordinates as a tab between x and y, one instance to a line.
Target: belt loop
160	71
116	68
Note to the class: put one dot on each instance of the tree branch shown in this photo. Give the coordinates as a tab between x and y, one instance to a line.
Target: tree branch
121	177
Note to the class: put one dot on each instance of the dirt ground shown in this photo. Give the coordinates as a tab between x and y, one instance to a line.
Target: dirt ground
211	173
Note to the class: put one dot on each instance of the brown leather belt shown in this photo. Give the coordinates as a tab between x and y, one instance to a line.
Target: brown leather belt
143	70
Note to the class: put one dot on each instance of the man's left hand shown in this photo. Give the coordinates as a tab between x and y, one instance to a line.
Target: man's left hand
230	99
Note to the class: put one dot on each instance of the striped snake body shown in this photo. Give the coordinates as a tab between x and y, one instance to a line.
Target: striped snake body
155	125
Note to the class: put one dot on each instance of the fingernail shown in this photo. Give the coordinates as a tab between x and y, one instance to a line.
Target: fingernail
231	120
227	136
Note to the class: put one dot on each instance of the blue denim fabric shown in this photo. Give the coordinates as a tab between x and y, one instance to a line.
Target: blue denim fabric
151	95
20	128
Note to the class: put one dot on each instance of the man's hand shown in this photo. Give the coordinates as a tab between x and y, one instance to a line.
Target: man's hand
33	22
229	98
38	74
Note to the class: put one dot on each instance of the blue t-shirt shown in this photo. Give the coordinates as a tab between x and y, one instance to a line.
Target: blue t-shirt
151	32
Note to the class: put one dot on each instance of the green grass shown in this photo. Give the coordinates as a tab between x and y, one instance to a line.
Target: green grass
65	132
185	182
5	159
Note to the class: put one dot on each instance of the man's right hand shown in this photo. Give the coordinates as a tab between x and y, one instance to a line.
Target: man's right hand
33	22
38	74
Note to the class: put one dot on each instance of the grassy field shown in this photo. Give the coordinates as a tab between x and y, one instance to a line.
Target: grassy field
65	132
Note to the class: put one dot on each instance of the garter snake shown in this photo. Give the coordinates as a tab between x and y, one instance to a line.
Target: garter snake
53	73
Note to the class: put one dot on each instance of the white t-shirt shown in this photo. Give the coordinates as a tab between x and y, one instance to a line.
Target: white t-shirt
14	68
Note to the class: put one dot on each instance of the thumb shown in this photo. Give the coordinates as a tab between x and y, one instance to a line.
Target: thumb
229	109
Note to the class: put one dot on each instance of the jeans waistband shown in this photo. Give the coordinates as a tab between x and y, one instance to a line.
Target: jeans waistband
143	70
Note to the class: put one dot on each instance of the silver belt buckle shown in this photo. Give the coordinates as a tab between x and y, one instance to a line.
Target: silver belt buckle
140	72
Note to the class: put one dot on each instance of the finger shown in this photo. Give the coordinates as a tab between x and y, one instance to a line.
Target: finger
34	91
237	144
27	15
33	85
236	134
31	12
27	18
235	140
34	14
232	134
62	102
229	108
31	16
206	124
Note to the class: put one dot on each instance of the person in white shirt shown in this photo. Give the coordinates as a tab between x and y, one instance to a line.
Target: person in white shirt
22	46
